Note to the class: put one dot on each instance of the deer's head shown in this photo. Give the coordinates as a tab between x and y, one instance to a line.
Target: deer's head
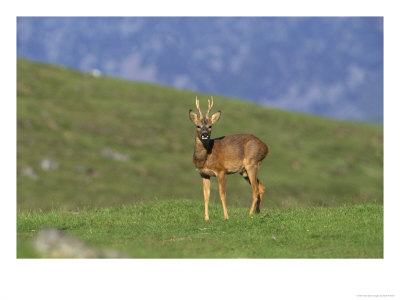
204	124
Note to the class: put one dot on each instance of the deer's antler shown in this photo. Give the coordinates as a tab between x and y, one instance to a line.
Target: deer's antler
198	108
210	105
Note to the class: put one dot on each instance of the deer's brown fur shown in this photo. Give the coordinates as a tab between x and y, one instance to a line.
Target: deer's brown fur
229	154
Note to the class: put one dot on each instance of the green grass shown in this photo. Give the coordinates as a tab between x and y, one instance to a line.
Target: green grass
70	117
176	229
324	177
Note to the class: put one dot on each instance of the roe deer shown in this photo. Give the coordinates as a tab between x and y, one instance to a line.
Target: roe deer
229	154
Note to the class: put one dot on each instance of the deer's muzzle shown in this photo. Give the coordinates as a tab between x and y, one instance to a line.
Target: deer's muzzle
204	136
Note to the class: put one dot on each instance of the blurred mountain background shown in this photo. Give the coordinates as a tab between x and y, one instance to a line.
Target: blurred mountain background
329	66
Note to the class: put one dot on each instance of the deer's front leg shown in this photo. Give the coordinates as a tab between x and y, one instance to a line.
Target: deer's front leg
206	193
222	194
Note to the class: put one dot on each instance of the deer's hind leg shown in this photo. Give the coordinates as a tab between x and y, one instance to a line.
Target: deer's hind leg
260	191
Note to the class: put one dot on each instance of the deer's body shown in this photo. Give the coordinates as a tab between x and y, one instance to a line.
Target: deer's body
229	154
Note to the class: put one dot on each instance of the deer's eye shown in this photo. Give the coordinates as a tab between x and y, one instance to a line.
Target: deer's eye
210	126
198	127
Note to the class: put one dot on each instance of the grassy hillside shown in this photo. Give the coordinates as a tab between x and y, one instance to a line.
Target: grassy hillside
86	142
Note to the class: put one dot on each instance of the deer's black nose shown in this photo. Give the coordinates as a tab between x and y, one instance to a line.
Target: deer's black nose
204	136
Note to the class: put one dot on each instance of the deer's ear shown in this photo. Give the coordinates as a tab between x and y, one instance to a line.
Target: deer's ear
215	117
193	116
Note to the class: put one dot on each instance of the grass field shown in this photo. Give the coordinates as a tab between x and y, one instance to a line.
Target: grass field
119	152
176	229
75	120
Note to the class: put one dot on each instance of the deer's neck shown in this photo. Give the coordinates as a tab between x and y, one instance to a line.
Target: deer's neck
201	151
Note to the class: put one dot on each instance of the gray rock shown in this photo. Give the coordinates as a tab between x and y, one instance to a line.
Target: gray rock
55	243
48	164
29	172
113	154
